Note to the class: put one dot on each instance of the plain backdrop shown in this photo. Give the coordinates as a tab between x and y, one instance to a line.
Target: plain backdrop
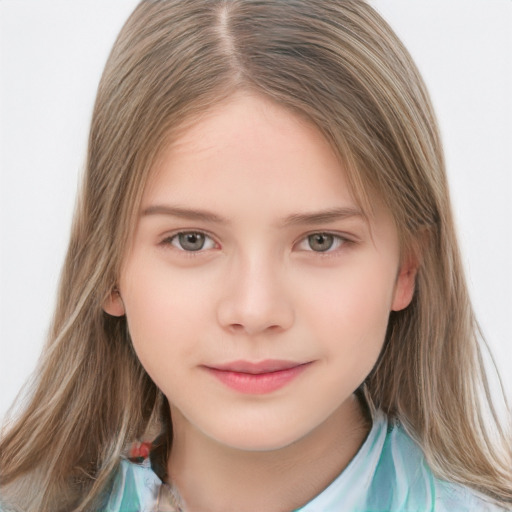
51	57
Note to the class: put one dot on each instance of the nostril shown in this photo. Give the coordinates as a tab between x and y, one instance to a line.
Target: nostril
239	329
254	309
251	330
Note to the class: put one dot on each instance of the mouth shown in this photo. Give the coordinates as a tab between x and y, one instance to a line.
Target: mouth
267	366
257	377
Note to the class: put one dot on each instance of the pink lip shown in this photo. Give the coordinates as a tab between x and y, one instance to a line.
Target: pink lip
257	378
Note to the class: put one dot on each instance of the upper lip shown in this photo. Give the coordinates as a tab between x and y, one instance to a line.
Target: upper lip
266	366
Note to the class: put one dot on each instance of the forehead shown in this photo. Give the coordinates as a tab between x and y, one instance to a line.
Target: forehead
249	143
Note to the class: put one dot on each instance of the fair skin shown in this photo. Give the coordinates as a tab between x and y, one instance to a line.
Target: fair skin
257	297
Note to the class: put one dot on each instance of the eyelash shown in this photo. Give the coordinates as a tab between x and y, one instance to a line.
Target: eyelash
169	241
338	241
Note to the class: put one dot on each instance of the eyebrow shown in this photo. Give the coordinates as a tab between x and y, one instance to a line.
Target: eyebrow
184	213
308	218
323	216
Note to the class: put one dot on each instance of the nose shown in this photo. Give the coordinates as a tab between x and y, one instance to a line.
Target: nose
254	299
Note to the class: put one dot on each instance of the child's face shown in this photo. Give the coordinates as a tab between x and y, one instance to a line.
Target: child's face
257	296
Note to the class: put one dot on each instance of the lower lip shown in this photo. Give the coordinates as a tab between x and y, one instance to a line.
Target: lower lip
260	383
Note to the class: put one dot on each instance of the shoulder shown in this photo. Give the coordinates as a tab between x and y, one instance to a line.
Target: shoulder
452	497
412	485
390	474
135	488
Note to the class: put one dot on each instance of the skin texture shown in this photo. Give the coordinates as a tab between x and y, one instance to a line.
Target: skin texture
258	290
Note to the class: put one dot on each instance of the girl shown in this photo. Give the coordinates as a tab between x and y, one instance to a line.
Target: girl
262	307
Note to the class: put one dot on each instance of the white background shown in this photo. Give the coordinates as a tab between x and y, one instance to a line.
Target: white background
51	57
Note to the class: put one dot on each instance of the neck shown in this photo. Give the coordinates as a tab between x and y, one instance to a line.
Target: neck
212	477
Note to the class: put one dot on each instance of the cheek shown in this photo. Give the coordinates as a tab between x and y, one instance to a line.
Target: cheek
163	314
350	311
159	296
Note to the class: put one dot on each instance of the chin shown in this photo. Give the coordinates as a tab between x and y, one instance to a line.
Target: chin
265	439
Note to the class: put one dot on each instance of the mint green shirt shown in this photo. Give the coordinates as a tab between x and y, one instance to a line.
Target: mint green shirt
388	474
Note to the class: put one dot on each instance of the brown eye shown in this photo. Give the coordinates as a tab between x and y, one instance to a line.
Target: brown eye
321	242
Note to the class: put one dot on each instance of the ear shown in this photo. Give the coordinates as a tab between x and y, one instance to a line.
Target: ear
405	283
113	304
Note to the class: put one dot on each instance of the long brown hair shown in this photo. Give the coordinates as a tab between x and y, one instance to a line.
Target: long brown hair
338	64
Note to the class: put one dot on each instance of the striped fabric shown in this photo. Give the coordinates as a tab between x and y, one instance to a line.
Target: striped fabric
388	474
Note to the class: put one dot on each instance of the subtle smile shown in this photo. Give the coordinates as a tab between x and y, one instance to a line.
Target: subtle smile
257	378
